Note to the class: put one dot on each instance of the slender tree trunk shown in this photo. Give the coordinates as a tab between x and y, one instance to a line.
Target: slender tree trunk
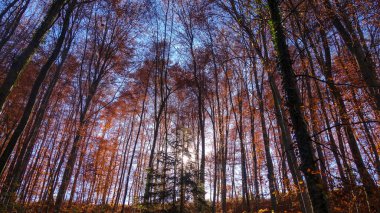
268	157
363	58
76	144
332	142
134	149
303	196
11	26
315	129
369	184
239	124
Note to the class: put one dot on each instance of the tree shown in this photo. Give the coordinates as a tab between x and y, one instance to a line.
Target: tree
293	102
23	59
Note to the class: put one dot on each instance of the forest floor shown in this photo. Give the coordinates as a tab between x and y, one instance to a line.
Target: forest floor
340	202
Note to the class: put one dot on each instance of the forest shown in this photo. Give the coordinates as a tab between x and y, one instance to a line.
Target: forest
190	106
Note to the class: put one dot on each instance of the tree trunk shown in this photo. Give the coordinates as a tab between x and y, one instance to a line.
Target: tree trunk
35	91
286	139
269	162
363	57
293	102
369	184
23	59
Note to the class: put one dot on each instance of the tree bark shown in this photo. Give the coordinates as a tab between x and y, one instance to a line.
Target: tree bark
35	91
303	196
369	184
23	59
293	102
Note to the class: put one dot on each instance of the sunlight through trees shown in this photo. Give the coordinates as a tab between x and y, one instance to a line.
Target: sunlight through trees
189	106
